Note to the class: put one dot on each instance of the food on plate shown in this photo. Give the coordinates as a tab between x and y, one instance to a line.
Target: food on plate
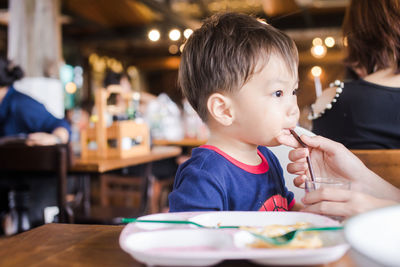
301	240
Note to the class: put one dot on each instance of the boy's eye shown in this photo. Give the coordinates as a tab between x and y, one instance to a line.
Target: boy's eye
295	91
278	93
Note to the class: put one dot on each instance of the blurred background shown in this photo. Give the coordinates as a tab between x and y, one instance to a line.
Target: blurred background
144	38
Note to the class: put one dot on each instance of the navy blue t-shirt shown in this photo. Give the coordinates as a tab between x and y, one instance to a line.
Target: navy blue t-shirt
21	114
211	180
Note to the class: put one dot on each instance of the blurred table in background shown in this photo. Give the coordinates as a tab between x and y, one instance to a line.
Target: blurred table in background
95	165
189	142
384	162
100	168
85	245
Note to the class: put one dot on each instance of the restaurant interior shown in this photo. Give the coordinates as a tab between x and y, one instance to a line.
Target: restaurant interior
128	137
137	38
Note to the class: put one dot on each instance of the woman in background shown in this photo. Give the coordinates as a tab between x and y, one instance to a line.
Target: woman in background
22	117
21	114
364	113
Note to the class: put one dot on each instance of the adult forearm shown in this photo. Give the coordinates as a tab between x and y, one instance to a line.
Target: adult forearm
375	185
61	134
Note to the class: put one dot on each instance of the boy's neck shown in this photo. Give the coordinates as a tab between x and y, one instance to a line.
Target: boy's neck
243	152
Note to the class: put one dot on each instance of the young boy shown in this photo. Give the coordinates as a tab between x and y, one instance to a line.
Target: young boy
240	75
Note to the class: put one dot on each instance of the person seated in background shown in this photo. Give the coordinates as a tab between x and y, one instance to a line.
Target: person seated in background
364	113
331	159
120	81
240	75
23	118
22	115
123	82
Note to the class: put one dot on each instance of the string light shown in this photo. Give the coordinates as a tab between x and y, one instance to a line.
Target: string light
329	41
187	33
154	35
316	71
318	51
174	34
317	41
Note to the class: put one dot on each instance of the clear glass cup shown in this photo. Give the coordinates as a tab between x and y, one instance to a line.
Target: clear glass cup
321	182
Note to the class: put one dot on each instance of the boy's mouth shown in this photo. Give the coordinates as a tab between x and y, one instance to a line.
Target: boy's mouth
287	130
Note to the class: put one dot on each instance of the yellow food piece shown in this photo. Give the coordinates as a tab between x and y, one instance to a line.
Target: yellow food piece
302	240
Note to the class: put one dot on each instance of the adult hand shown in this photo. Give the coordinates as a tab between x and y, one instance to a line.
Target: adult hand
60	135
339	202
329	159
42	139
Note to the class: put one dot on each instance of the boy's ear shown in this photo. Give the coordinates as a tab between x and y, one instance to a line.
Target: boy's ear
220	108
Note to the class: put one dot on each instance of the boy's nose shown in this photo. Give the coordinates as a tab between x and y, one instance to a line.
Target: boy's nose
294	111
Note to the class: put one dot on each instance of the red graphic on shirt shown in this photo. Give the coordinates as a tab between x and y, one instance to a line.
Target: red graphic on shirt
275	203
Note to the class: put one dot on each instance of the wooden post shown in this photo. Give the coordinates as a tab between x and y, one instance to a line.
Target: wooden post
101	127
34	36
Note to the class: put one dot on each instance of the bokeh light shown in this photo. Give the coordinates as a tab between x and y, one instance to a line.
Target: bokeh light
154	35
70	88
174	34
317	41
187	33
316	71
329	41
173	49
318	51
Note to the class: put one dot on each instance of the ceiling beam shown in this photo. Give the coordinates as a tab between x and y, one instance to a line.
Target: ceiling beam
169	15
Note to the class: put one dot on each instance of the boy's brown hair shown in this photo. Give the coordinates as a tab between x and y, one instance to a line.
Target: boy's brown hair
222	55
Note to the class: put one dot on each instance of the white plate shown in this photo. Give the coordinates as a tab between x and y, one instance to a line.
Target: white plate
189	246
376	235
250	218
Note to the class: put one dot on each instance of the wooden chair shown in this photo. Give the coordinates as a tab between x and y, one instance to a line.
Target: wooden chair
129	189
20	158
384	162
158	189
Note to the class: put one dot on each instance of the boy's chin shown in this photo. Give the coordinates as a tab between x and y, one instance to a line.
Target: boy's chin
273	142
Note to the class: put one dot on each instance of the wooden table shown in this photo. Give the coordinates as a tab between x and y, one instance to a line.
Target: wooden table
82	245
190	142
103	165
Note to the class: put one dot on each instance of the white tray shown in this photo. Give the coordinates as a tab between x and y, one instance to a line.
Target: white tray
186	245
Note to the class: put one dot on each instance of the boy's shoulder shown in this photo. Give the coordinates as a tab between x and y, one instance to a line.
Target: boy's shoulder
204	158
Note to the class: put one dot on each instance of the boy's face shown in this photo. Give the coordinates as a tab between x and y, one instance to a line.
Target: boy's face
267	104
